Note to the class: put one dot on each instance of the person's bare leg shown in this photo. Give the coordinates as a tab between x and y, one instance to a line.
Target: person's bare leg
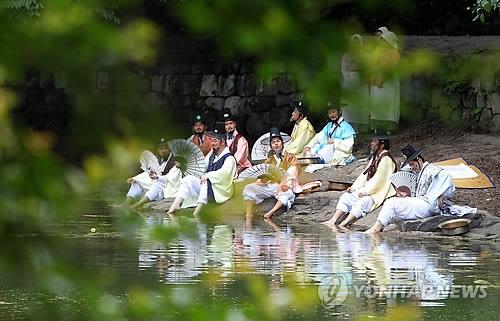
141	202
271	212
331	222
346	221
175	205
376	228
197	210
249	213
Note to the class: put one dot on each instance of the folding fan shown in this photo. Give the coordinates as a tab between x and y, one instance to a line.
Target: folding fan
405	181
190	157
149	161
273	173
260	151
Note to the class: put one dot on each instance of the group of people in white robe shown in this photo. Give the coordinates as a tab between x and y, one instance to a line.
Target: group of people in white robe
227	155
373	188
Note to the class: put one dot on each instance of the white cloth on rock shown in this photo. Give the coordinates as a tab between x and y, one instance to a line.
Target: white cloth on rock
355	205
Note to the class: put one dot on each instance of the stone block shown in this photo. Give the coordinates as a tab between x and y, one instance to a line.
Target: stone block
257	124
283	100
495	124
267	87
215	103
209	86
485	119
257	104
172	84
190	84
469	99
481	100
227	85
157	83
247	85
234	104
493	102
285	84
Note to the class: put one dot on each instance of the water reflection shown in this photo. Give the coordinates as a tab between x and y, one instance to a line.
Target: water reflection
393	265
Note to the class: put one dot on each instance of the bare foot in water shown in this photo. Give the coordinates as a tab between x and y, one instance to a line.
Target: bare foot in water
343	227
268	216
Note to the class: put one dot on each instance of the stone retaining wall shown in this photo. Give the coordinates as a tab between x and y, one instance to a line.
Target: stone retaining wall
190	78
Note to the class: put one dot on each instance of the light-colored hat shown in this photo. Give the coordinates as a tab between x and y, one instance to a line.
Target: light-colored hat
391	38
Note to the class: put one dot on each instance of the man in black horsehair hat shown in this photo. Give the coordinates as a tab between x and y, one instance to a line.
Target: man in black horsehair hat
216	185
142	183
302	131
237	144
371	188
434	186
199	137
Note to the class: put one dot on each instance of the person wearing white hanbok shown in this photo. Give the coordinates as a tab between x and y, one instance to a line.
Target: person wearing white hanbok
434	186
385	86
355	92
143	182
216	184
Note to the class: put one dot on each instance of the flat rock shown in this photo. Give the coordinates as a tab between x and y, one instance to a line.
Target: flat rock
320	206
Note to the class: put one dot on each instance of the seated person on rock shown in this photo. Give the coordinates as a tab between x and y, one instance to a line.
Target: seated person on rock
166	186
434	186
267	186
334	143
371	188
142	183
216	185
302	131
237	144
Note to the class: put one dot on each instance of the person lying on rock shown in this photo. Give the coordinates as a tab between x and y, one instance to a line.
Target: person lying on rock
142	183
216	185
371	188
334	143
281	188
434	186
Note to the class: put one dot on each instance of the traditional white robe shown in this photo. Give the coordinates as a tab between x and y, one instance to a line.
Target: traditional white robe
142	183
355	94
377	188
433	183
166	185
192	191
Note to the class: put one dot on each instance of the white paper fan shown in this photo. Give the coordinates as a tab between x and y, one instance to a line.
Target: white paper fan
405	180
149	161
260	151
189	156
261	169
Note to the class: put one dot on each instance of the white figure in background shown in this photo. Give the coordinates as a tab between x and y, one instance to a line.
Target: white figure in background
355	92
